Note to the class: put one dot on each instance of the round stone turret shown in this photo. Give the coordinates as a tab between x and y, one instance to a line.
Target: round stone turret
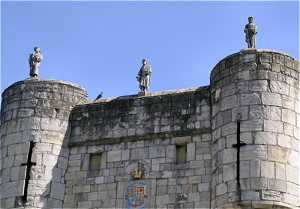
34	128
255	130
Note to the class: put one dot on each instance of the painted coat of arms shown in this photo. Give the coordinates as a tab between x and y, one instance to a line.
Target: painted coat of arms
136	195
136	189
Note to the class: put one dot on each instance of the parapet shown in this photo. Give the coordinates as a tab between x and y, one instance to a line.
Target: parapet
265	63
140	117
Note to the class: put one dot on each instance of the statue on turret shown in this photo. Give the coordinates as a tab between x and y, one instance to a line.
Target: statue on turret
144	76
35	60
251	31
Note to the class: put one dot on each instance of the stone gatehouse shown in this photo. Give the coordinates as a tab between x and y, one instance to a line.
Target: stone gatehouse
232	144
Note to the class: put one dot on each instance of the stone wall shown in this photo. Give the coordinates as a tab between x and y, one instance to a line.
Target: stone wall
129	131
260	89
163	150
35	111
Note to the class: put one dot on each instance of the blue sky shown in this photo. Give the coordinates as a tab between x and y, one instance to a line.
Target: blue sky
100	45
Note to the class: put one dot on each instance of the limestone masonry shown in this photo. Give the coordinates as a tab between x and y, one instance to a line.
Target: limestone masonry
232	144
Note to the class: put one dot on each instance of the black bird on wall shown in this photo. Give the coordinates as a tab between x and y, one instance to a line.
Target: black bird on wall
99	96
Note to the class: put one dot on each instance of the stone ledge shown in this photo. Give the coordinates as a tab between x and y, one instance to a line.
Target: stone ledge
148	95
32	81
258	205
251	51
150	136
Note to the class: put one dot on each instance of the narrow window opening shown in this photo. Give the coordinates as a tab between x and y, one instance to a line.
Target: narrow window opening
22	200
95	161
180	153
238	145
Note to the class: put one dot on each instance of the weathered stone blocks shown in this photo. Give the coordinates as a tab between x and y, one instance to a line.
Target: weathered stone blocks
253	96
154	148
114	155
262	100
39	112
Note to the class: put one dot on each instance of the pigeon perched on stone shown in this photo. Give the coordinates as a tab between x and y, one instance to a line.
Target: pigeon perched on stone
99	96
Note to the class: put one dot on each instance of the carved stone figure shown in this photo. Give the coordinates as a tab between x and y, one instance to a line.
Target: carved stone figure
139	172
144	76
35	62
251	31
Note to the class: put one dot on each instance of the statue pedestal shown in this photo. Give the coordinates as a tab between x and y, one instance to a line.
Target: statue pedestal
33	78
249	50
142	93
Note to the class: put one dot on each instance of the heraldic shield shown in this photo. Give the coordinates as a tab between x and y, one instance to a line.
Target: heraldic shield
136	194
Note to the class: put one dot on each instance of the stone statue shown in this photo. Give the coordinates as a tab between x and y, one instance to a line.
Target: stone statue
251	31
143	76
35	62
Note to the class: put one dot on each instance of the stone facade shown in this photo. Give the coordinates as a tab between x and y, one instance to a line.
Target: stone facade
261	90
162	150
37	111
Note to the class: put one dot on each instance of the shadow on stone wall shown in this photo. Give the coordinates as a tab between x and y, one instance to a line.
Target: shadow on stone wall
54	195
